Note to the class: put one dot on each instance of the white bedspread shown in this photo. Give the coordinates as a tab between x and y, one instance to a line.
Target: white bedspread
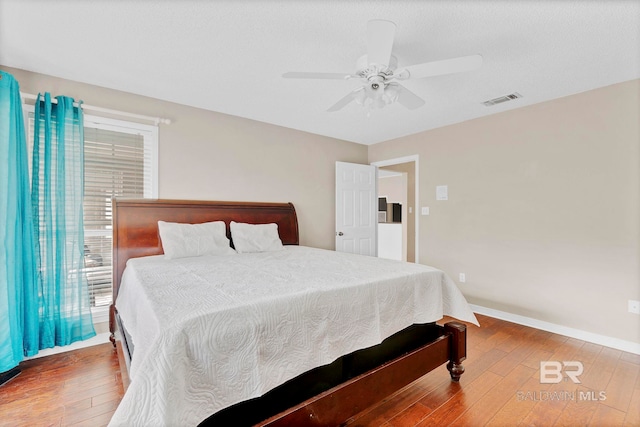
213	331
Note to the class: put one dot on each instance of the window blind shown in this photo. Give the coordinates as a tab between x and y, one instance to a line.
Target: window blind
114	167
120	160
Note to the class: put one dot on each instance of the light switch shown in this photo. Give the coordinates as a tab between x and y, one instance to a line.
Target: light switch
425	210
442	192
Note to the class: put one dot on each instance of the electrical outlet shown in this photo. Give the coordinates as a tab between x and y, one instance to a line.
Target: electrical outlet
463	278
634	306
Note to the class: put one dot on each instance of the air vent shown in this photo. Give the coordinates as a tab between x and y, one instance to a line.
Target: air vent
501	99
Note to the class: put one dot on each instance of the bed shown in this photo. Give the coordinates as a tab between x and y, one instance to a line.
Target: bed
296	344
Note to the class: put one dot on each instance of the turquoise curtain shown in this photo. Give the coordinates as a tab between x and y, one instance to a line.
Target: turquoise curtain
57	191
44	297
18	281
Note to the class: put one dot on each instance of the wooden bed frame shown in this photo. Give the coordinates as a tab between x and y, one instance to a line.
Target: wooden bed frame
325	396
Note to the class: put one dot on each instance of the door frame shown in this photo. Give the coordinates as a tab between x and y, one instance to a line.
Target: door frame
407	159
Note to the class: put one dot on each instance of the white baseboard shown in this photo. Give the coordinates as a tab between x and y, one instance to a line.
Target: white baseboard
98	339
628	346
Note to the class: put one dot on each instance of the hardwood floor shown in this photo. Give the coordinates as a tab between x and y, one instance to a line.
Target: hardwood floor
501	386
76	388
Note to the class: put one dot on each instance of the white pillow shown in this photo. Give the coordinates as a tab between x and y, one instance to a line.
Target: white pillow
255	237
188	240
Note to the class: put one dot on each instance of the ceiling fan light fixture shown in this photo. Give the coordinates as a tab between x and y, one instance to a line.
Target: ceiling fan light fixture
377	70
391	93
376	86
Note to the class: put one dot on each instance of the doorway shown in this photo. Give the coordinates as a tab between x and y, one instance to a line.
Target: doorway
392	214
398	181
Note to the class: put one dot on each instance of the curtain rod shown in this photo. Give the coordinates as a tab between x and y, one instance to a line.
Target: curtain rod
156	120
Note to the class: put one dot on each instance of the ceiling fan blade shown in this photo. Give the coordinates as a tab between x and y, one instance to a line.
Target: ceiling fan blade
408	98
304	75
437	68
344	101
380	34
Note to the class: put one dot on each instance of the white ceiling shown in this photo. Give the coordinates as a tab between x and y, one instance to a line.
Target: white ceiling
228	56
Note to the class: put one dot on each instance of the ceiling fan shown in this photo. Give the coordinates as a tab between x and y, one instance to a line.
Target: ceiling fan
377	70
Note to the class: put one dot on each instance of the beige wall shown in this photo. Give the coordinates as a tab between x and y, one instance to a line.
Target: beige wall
212	156
543	212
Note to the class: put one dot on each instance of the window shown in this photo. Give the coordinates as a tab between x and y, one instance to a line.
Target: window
120	160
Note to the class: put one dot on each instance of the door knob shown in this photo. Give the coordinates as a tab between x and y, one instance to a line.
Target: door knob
340	233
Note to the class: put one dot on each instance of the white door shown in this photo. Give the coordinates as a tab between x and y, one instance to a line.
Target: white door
356	208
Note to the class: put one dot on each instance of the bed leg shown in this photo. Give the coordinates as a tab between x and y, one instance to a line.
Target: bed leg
457	348
112	324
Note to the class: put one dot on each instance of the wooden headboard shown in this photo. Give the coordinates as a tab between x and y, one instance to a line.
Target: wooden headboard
135	224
